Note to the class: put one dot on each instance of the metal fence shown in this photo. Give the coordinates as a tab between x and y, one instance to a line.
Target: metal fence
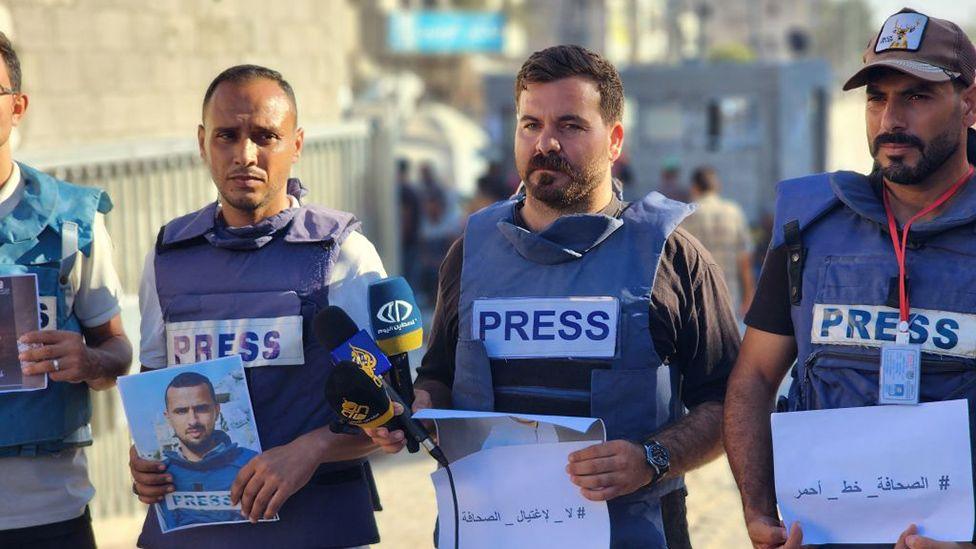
347	167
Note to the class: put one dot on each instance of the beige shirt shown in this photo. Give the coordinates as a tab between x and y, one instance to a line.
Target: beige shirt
720	225
45	490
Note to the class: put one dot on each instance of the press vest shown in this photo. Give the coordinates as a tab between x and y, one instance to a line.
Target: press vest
557	322
843	281
254	291
43	235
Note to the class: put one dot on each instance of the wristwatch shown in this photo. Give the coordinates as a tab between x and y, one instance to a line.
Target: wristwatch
658	457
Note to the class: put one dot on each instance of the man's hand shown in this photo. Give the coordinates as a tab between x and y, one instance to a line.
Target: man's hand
609	469
392	442
909	539
150	480
76	363
769	533
269	479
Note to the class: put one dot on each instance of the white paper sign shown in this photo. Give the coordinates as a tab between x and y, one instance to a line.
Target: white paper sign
519	496
581	327
863	475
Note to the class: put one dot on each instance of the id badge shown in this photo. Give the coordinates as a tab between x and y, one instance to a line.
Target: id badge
901	372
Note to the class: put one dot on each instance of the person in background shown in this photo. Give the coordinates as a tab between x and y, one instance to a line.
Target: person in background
721	226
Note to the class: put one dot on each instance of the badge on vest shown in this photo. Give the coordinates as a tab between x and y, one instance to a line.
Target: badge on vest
578	327
939	332
49	312
259	341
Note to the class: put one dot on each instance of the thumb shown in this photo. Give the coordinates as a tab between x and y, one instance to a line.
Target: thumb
796	537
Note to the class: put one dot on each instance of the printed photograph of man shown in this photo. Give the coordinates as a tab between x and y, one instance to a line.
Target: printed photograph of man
206	460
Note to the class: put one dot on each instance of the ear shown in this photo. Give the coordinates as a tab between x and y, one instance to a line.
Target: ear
20	108
299	143
616	141
969	106
201	139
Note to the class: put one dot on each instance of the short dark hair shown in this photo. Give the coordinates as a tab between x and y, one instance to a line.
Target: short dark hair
240	74
705	179
11	60
189	379
558	62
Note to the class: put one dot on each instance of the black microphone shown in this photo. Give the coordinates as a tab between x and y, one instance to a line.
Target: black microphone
359	396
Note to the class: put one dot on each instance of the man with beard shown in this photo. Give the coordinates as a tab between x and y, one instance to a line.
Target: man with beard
206	460
625	317
836	285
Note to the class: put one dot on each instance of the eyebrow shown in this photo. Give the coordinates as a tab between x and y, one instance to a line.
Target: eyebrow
564	118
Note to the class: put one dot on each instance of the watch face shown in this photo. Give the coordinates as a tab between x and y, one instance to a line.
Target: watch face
658	455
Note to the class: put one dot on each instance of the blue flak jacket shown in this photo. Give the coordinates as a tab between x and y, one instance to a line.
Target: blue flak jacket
276	269
843	285
43	235
588	255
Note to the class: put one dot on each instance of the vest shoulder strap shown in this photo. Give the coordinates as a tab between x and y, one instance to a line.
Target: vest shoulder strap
803	200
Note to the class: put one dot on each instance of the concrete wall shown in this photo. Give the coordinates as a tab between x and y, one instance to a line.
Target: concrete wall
106	70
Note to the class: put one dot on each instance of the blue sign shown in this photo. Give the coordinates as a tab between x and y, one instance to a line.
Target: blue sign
446	32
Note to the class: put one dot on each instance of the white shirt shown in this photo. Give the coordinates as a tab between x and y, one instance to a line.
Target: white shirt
49	489
357	266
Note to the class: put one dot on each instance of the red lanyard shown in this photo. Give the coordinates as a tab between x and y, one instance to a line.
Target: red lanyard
900	248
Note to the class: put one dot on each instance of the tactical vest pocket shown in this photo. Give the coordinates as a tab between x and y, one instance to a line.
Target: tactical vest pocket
631	403
265	328
473	386
846	379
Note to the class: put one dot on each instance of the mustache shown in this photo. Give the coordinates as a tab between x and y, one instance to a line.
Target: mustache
898	139
551	162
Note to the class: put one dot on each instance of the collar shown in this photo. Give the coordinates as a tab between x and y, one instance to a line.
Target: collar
566	239
33	211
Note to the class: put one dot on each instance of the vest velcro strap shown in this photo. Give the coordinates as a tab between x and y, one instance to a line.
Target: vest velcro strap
795	256
550	373
40	449
327	477
69	253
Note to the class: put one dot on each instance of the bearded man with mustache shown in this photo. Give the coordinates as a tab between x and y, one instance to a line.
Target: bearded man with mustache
861	262
566	300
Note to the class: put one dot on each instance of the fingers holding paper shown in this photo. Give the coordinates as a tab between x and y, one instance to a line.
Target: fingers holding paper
909	539
609	469
150	480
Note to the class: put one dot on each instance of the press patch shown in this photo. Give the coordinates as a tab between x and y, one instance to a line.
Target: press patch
902	31
581	327
940	332
201	501
259	341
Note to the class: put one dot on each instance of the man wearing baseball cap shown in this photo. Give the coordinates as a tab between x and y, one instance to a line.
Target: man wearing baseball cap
845	247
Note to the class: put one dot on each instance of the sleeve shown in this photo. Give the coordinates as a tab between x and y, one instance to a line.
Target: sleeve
692	324
97	282
152	330
356	267
438	362
770	309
